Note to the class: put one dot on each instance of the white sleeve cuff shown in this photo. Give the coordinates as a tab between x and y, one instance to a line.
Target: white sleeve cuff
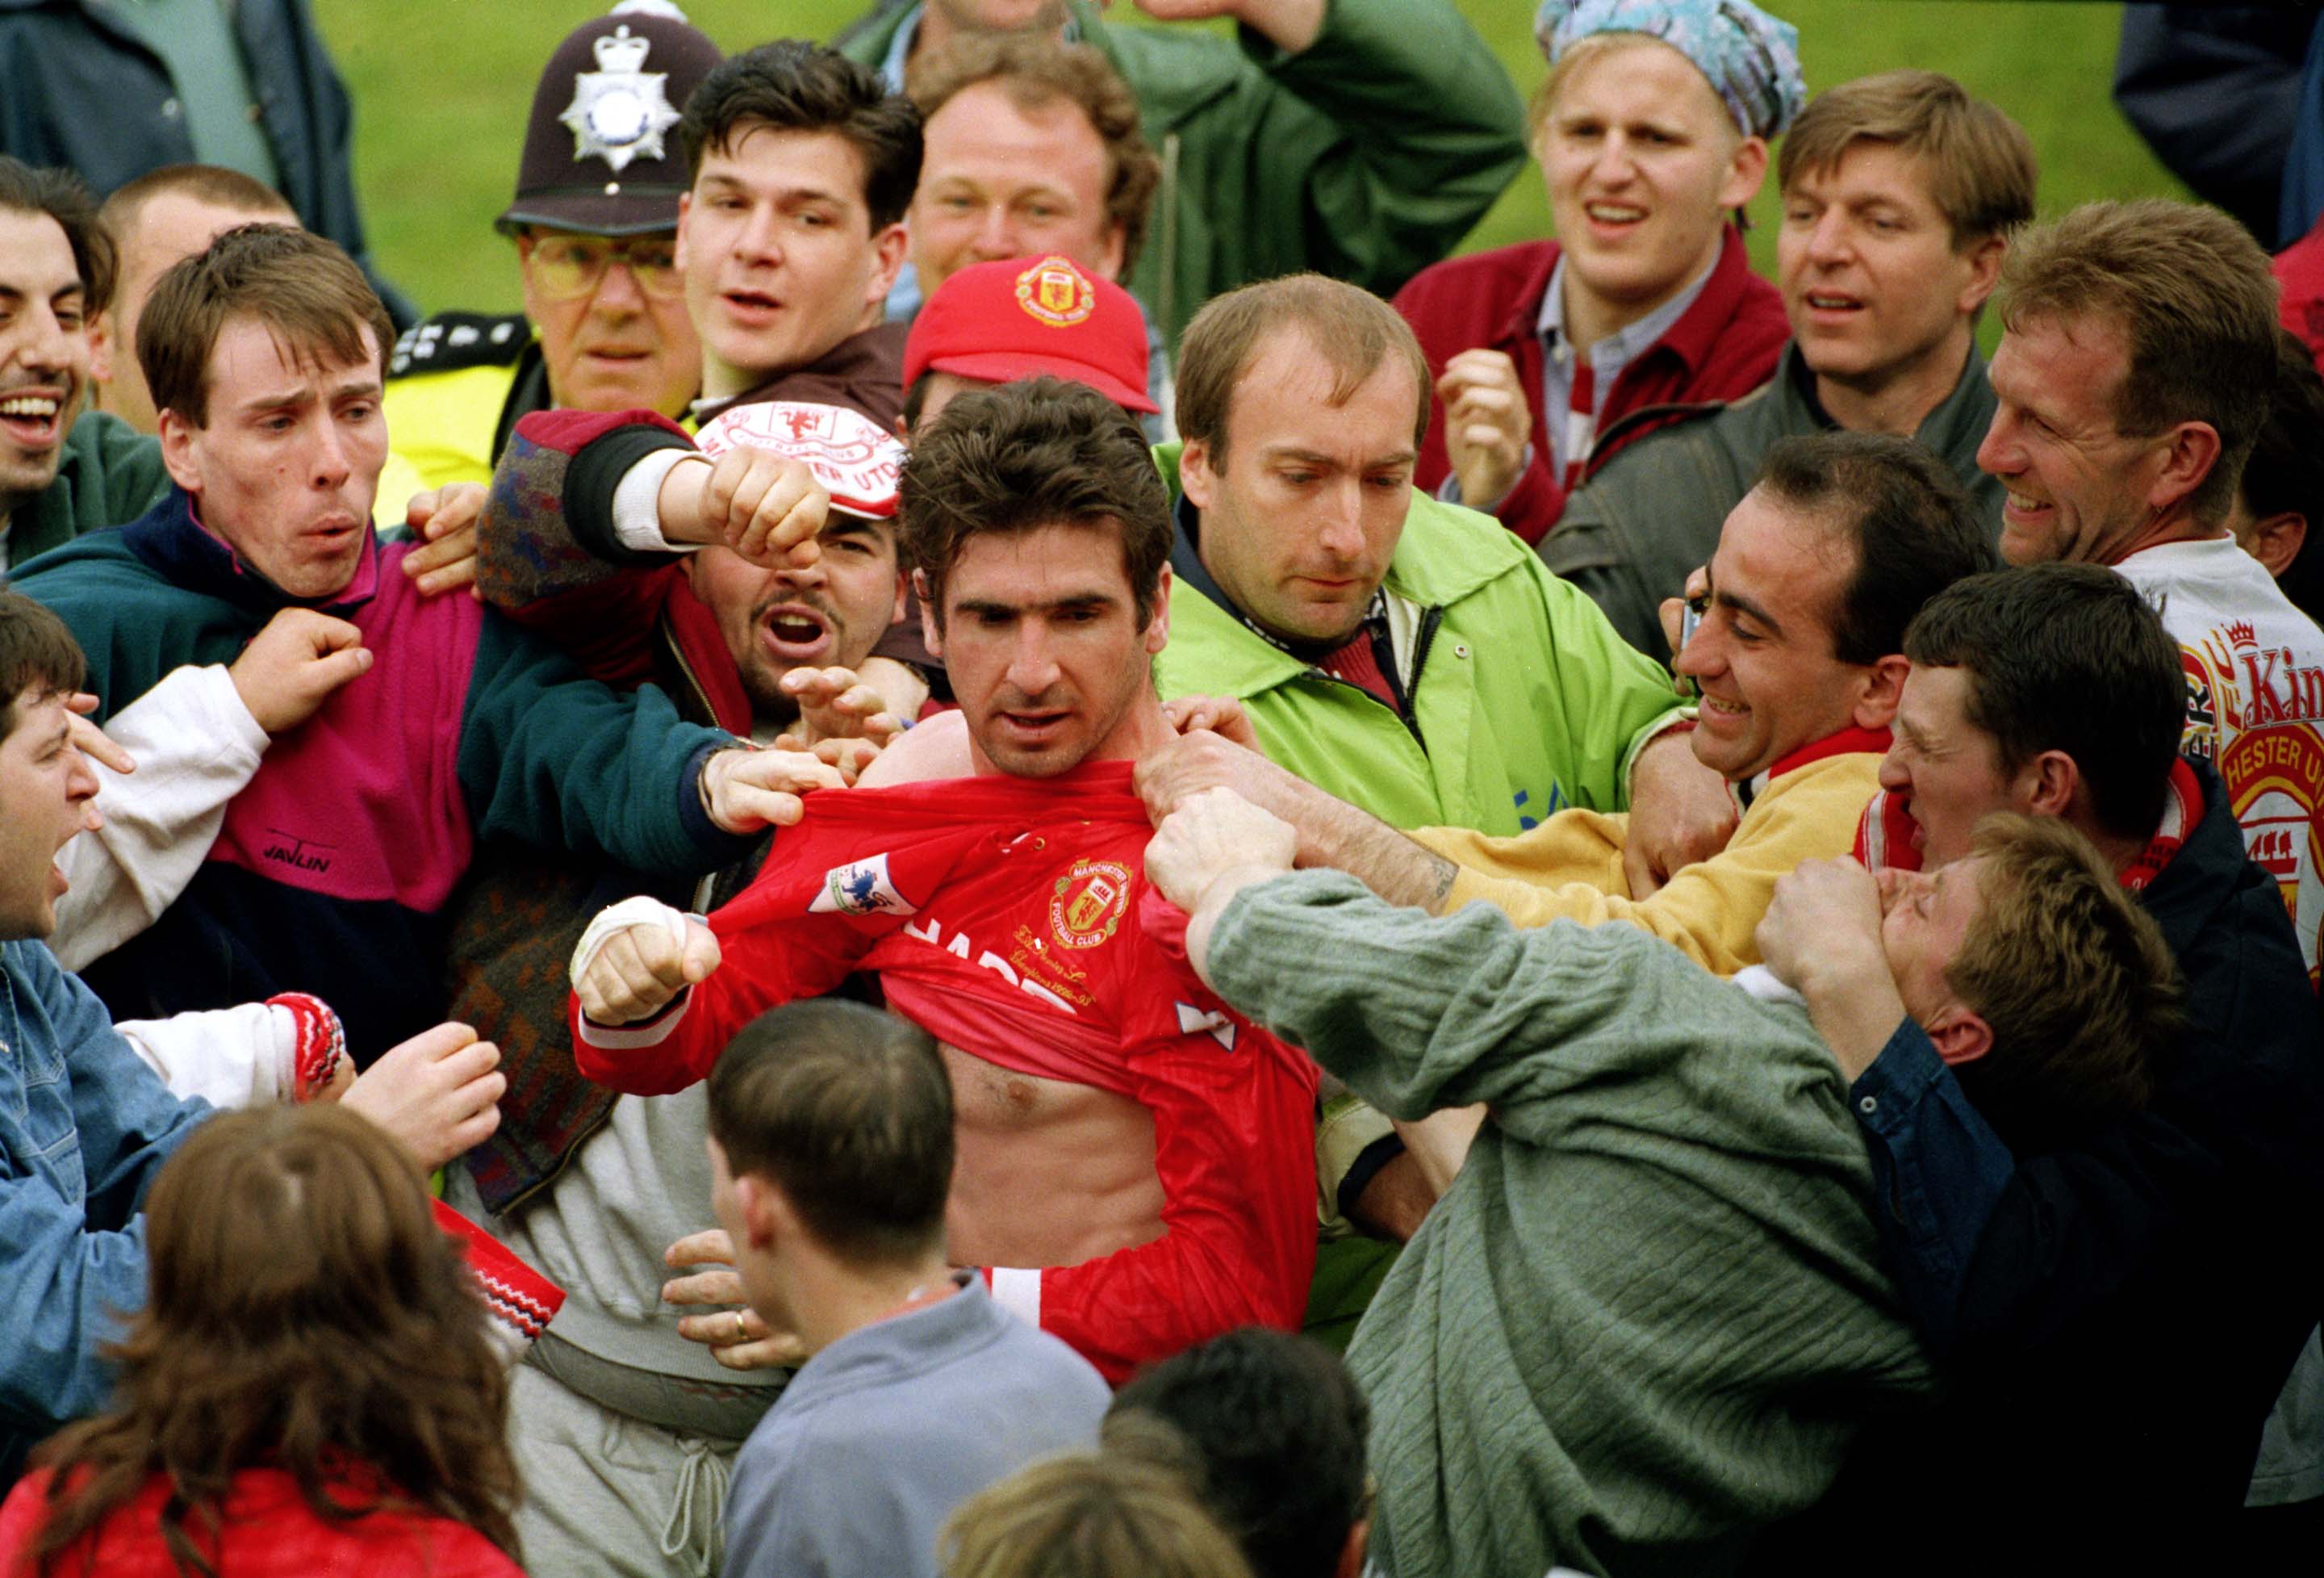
640	910
637	503
228	1056
1018	1290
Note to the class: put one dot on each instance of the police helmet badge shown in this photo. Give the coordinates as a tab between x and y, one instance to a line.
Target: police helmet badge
619	112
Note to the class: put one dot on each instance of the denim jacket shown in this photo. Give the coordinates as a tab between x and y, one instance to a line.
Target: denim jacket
83	1125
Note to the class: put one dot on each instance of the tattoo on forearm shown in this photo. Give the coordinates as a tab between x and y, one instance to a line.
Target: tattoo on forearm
1441	875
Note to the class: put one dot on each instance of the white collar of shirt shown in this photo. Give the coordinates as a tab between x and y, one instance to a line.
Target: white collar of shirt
1622	346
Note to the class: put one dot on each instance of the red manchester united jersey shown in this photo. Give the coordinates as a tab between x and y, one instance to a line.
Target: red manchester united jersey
1011	919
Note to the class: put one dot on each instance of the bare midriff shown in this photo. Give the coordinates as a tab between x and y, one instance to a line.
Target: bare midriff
1045	1172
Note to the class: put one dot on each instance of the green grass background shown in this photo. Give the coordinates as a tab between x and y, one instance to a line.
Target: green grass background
441	92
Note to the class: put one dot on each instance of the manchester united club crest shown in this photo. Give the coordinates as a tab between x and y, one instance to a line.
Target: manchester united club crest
1089	902
1055	292
619	112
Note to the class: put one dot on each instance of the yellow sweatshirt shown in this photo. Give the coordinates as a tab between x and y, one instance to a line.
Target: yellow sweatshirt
1570	866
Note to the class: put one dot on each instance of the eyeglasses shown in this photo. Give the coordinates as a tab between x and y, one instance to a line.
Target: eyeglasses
564	267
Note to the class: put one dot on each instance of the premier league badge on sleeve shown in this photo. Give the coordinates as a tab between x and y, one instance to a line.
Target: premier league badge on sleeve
619	112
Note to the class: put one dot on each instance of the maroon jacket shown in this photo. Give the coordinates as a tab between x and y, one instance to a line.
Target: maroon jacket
1725	346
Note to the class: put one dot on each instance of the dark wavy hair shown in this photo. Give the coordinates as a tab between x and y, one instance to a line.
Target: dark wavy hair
304	1312
1010	458
793	86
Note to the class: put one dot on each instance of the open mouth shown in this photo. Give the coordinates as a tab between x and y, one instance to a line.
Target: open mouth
794	634
1614	215
33	420
1829	302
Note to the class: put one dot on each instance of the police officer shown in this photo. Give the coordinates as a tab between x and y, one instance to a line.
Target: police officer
604	325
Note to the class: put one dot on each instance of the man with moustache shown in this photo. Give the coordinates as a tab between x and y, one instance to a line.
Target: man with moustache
607	531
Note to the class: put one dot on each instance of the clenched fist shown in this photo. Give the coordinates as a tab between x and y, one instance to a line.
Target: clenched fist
636	971
767	507
1487	422
294	665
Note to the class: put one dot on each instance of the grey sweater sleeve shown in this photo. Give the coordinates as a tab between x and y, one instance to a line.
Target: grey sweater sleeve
1417	1012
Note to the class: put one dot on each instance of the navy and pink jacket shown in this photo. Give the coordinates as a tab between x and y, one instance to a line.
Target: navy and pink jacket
334	863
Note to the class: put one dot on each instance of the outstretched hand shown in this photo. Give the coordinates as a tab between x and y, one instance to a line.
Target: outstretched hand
745	791
437	1094
739	1339
835	704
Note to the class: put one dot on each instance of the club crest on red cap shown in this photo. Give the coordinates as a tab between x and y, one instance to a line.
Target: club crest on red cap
1055	292
856	461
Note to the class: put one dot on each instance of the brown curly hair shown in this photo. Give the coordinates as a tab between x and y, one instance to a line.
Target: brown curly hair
1035	71
304	1312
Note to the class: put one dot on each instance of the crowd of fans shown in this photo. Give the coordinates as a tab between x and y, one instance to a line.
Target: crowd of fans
1014	849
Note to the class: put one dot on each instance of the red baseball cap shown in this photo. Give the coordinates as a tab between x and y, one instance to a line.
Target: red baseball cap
996	322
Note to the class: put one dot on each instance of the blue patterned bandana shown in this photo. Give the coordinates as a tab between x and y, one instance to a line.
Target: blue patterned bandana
1752	59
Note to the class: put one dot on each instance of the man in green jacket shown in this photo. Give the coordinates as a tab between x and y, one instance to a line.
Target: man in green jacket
1385	646
1407	656
1652	1315
1900	193
58	477
1358	138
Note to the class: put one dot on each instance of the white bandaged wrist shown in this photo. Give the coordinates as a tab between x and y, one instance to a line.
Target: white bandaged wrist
638	911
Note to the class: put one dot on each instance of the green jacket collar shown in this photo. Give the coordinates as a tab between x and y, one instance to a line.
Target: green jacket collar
1446	553
1443	556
